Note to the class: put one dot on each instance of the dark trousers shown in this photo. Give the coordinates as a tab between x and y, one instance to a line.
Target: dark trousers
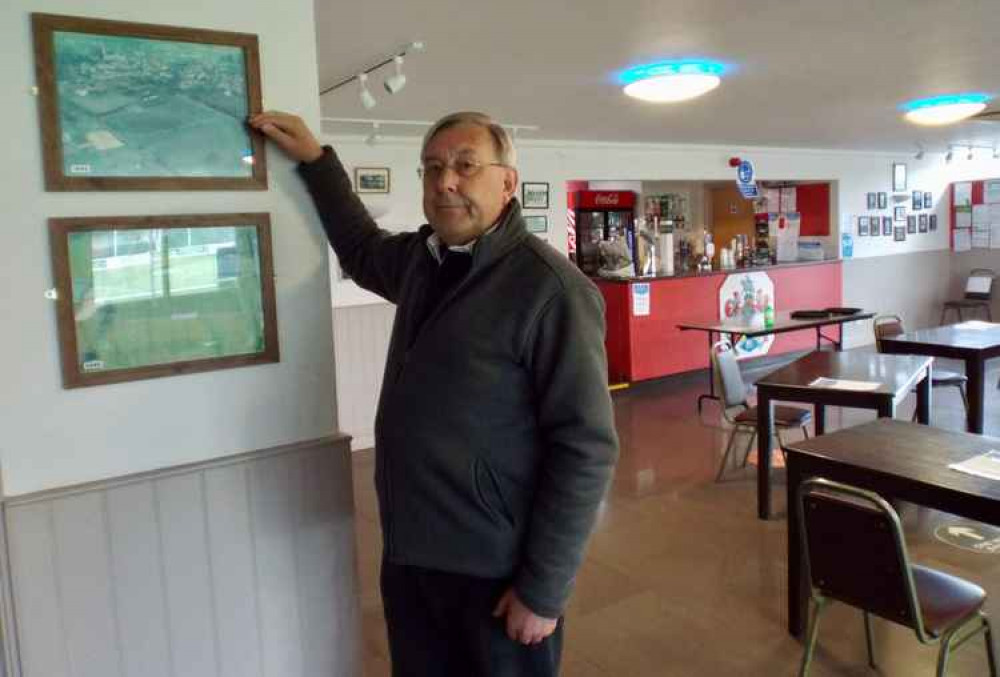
441	625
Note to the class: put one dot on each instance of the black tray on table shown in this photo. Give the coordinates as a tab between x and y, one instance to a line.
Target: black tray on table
836	310
809	314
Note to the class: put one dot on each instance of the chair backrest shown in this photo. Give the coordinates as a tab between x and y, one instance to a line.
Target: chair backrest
979	285
726	370
887	326
855	553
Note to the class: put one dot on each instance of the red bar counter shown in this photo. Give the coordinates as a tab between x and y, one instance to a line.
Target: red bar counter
652	346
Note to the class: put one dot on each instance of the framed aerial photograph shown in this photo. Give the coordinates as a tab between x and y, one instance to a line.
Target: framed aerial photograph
922	223
147	296
872	200
899	214
899	234
928	200
535	195
883	201
862	225
536	223
127	106
918	200
887	225
911	223
898	177
371	180
932	222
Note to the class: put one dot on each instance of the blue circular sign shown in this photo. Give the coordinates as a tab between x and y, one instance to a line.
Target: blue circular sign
745	171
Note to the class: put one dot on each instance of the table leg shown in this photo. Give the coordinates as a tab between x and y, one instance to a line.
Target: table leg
711	375
924	398
765	431
797	594
819	419
975	368
886	408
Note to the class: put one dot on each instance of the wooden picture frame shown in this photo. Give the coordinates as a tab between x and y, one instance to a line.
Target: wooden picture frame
146	107
372	180
535	195
142	297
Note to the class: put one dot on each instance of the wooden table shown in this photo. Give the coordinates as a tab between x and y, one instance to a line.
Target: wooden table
971	342
783	323
896	376
898	460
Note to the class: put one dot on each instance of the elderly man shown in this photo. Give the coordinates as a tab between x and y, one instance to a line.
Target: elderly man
495	440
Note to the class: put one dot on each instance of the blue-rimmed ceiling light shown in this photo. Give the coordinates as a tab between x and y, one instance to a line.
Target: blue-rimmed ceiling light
944	110
669	81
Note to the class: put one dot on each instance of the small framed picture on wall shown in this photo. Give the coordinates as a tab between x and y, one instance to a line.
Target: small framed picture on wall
535	195
872	201
899	234
928	200
911	223
862	225
899	214
883	201
887	225
918	200
898	177
371	179
536	223
932	222
922	223
873	228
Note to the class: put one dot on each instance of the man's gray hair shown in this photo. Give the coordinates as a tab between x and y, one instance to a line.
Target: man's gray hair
502	142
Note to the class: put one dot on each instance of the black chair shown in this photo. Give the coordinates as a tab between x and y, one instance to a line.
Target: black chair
978	295
887	326
854	552
733	391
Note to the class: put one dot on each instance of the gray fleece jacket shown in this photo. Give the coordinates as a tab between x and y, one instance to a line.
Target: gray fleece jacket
494	438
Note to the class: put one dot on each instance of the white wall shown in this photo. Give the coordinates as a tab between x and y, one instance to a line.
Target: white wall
51	437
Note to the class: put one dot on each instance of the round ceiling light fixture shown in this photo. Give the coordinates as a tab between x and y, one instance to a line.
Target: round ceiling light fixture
671	81
944	110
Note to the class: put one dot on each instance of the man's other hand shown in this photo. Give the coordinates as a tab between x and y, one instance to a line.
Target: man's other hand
523	625
290	133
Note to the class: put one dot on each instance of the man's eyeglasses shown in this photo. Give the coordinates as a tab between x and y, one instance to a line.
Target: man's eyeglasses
432	170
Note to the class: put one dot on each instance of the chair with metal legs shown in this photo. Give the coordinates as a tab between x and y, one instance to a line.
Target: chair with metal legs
978	295
733	394
888	326
854	552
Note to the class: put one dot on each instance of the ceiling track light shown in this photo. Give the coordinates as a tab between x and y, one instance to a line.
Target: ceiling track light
969	156
393	83
949	155
367	100
996	153
920	153
374	137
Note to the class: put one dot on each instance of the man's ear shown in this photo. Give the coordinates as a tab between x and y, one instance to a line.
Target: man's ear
510	181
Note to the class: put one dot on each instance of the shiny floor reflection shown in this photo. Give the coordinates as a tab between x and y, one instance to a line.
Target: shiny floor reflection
682	579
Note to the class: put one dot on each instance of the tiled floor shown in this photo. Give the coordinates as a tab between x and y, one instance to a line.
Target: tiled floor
681	578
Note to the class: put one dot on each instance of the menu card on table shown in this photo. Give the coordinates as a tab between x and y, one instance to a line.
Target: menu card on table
844	384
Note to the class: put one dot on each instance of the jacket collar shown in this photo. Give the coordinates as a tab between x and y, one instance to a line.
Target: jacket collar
492	245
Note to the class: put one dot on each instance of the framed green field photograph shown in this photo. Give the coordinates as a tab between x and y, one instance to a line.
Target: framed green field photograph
147	296
126	106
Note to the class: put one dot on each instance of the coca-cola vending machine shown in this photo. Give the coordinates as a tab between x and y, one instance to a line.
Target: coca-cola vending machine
601	215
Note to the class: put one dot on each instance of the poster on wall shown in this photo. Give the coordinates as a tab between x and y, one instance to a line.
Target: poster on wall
127	106
963	194
743	300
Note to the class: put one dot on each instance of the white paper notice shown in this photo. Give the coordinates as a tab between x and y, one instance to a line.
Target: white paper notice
992	192
994	213
963	219
995	236
963	240
842	384
981	237
772	199
985	465
963	194
788	200
980	214
640	299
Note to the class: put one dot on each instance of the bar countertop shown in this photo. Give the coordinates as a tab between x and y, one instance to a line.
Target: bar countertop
730	271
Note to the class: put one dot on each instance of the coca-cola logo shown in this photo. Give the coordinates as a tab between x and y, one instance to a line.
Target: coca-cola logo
606	199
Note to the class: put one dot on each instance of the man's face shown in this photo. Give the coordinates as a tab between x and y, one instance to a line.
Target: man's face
461	208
